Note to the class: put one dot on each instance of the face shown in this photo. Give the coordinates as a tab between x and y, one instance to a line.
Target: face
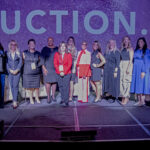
111	44
95	46
126	41
84	45
141	44
50	41
31	45
70	41
13	46
63	47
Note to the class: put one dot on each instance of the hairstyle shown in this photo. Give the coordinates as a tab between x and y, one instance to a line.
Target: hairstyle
17	49
144	47
1	47
31	40
107	47
59	48
123	45
99	47
71	37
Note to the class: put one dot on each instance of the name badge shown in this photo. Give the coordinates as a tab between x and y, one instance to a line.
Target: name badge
33	66
61	68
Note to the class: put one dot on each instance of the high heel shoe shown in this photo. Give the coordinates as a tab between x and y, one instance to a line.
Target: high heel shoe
31	101
97	100
14	105
37	100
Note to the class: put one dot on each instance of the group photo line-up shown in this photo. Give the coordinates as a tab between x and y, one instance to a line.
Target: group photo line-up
117	73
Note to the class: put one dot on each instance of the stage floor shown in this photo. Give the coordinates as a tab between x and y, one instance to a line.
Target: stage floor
46	122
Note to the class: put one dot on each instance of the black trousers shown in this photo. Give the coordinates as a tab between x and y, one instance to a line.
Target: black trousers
64	86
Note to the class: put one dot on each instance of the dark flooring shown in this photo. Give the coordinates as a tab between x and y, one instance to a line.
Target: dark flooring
47	122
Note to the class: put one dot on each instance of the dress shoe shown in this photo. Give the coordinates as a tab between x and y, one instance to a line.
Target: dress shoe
66	104
53	99
49	101
61	102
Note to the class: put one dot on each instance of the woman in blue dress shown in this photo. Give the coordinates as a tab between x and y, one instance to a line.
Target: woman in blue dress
97	61
137	84
147	77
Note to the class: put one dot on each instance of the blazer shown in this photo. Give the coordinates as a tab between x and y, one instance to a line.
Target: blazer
14	64
66	62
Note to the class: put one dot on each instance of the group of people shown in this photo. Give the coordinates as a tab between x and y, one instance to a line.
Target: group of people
115	74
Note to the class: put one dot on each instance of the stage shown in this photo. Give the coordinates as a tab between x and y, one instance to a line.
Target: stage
46	122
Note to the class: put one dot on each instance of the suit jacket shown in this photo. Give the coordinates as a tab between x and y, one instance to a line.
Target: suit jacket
66	62
14	64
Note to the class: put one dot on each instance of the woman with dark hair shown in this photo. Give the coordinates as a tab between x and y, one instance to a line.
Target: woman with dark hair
31	71
137	84
62	64
83	70
49	73
97	61
147	77
73	51
2	74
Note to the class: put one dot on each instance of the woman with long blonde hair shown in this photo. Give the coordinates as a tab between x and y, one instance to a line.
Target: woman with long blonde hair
111	80
14	64
126	66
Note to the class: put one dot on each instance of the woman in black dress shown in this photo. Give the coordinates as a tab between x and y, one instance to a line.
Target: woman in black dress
31	71
97	61
111	80
49	73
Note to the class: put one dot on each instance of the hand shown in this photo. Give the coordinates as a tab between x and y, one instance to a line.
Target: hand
142	75
115	75
62	74
11	71
15	72
84	77
94	65
127	72
45	72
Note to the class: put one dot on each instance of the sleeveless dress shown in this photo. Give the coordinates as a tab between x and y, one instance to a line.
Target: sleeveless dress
48	61
96	71
31	77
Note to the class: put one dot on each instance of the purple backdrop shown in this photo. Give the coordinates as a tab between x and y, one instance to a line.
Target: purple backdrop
109	7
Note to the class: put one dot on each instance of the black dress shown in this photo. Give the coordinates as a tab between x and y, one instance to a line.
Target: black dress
31	77
96	71
48	61
111	85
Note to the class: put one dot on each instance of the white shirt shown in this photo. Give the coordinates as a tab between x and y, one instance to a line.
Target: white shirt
13	55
